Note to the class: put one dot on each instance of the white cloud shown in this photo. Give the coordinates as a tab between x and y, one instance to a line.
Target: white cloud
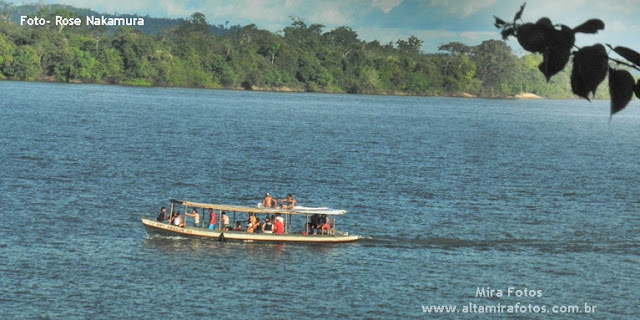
431	39
620	16
386	5
333	16
463	8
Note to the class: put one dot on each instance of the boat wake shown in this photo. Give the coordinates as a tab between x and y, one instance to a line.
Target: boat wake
507	244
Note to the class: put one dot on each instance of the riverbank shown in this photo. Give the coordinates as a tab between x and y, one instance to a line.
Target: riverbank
524	95
528	95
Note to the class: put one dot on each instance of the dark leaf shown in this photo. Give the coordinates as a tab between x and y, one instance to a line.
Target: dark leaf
546	22
621	87
519	13
590	66
532	37
499	22
554	60
563	38
637	89
631	55
590	26
507	32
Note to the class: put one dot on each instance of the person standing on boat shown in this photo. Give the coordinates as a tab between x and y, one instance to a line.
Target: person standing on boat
195	215
225	221
314	223
290	202
162	215
212	219
269	201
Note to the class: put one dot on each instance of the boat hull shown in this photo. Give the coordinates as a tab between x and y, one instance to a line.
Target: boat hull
155	228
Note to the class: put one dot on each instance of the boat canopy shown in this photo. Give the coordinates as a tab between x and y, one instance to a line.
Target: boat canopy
301	211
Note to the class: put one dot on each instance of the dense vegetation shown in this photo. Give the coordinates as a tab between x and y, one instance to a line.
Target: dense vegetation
301	57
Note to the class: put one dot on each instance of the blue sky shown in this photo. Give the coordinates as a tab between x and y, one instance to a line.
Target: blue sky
435	22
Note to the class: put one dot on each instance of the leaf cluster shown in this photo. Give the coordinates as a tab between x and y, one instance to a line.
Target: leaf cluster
591	64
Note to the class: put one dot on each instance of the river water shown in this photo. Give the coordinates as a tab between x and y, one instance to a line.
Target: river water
536	199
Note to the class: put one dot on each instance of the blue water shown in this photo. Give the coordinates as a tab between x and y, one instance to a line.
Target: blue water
448	195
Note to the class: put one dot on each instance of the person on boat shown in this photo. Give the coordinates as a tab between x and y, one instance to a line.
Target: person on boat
252	224
176	220
279	218
322	220
162	215
290	202
212	219
225	221
313	225
278	227
238	226
326	226
269	201
195	215
249	227
267	226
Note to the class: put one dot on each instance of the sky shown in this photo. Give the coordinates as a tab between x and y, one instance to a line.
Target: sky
435	22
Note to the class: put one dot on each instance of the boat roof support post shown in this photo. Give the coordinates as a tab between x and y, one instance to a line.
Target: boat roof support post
334	225
173	206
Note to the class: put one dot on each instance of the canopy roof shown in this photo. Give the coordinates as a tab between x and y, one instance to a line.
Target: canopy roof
223	207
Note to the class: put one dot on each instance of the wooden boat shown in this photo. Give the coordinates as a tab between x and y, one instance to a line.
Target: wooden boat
292	217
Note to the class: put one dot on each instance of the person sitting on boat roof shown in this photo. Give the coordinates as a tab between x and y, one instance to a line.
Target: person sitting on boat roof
267	226
162	215
290	202
269	201
225	221
195	215
212	219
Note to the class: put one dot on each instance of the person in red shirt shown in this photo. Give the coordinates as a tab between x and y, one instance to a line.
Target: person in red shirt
278	227
212	219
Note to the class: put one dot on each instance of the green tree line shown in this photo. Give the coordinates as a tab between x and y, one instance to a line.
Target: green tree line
300	57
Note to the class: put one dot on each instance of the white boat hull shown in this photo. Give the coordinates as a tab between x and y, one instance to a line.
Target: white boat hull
159	228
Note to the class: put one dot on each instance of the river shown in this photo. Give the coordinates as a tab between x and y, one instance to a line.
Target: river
451	198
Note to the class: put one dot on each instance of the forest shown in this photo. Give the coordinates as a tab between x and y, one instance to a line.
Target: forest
302	57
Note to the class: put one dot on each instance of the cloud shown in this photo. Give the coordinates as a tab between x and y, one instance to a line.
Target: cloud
386	5
435	21
463	8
